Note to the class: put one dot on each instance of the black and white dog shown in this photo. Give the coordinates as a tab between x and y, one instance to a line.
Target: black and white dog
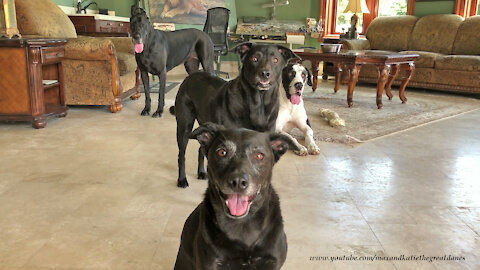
249	101
157	52
239	223
292	112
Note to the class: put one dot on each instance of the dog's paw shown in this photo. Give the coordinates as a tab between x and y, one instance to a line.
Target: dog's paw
313	150
302	152
201	176
157	114
182	183
145	112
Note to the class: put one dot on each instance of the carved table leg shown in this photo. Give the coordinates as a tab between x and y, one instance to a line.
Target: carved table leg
315	69
39	123
353	71
391	79
116	106
410	68
383	71
137	86
338	74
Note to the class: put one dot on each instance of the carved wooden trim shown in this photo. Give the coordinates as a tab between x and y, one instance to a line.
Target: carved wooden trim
35	81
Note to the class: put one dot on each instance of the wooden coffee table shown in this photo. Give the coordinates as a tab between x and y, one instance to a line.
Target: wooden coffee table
388	63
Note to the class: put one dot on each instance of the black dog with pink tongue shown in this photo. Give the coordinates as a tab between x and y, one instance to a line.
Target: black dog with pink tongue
239	223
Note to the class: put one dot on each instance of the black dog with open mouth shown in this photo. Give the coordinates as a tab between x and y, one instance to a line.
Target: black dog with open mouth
248	101
239	223
157	52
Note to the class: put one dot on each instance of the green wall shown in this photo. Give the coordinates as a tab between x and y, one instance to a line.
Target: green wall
296	10
434	7
68	3
121	7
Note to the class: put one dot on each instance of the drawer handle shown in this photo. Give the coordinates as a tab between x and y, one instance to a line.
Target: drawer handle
121	24
109	24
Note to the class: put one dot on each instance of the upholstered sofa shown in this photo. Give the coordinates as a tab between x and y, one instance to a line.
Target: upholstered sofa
97	71
448	45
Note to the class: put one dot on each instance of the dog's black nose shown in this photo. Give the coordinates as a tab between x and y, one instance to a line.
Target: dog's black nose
239	183
298	85
265	74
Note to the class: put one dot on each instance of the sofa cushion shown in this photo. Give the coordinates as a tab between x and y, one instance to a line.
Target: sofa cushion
43	18
458	62
126	63
425	59
468	37
435	33
390	33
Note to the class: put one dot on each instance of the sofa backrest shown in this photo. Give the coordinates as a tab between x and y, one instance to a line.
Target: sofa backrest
435	33
390	33
468	37
43	18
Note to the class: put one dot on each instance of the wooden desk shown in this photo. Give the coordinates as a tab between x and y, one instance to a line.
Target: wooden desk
25	65
388	64
100	25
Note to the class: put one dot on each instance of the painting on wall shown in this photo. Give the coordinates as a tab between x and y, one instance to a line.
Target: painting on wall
181	11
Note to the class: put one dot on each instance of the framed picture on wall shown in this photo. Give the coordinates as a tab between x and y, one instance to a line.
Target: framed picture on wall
181	11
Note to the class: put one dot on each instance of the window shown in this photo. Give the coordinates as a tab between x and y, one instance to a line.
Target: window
392	7
336	22
343	19
478	8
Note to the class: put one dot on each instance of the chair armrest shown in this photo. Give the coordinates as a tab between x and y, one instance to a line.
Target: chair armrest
89	48
355	44
123	44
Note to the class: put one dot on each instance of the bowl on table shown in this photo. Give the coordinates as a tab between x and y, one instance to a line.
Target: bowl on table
330	48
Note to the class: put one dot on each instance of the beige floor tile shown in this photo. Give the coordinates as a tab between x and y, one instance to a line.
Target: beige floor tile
97	190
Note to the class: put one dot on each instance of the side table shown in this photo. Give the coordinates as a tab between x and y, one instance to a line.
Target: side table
31	84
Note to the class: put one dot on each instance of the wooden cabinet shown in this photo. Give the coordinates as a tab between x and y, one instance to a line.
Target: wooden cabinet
31	84
93	26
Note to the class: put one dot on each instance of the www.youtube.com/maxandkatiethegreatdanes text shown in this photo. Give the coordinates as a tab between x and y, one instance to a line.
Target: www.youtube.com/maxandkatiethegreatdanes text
418	258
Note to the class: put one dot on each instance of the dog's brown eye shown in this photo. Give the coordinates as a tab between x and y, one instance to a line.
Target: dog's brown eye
254	59
258	156
303	75
275	60
222	152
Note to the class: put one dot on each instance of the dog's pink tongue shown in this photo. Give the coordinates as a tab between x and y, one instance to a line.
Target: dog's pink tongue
295	99
237	204
138	47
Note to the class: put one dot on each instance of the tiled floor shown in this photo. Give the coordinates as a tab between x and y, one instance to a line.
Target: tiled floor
97	190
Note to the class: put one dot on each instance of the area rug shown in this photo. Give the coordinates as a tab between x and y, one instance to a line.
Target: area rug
154	87
365	122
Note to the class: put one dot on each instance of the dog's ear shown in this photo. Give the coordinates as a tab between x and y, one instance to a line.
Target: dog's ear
132	9
280	143
288	54
241	49
309	77
205	134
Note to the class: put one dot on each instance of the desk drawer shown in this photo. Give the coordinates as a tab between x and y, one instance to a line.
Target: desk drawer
52	54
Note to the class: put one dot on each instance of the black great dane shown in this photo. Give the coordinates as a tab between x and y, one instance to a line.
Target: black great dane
157	52
249	101
239	223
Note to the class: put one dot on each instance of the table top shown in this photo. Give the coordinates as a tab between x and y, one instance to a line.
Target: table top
365	56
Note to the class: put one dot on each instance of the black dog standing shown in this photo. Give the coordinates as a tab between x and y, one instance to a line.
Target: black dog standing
239	224
248	101
157	52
